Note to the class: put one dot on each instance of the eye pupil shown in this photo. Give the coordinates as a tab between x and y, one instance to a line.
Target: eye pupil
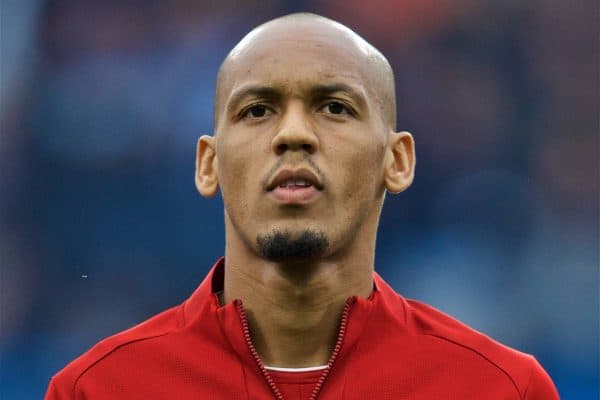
258	111
335	108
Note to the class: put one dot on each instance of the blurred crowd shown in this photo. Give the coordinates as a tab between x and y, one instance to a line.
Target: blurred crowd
101	103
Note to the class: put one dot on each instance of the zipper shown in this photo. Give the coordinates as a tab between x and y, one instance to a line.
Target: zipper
246	330
265	372
337	348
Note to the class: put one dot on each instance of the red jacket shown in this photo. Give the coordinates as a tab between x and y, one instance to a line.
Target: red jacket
388	348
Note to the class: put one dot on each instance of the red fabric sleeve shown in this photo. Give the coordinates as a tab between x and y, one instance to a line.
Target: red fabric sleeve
540	385
53	394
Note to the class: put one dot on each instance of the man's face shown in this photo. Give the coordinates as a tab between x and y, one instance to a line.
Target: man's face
300	142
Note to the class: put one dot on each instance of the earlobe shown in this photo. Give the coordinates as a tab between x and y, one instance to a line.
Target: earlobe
400	162
206	176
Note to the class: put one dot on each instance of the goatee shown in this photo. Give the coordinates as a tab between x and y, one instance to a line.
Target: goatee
280	246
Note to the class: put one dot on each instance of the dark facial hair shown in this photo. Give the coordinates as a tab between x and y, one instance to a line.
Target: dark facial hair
280	246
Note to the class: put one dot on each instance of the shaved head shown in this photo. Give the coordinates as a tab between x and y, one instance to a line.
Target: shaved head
311	29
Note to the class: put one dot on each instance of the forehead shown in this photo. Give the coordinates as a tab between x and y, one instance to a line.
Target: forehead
298	56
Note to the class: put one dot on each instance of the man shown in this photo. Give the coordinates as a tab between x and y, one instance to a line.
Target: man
304	150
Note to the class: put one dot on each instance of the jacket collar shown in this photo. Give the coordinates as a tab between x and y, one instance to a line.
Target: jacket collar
203	306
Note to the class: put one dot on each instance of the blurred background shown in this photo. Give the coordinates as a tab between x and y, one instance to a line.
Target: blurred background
101	103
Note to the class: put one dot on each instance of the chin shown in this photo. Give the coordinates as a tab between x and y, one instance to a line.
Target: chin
299	244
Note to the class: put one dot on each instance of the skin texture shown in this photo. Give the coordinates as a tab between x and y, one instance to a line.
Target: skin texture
344	135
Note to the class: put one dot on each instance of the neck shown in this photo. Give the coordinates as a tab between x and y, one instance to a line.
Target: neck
294	309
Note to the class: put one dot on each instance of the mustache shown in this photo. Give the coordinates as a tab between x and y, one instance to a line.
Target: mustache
306	160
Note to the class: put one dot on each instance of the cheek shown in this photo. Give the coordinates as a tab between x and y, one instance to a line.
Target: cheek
231	176
361	176
360	189
241	171
355	192
355	152
233	170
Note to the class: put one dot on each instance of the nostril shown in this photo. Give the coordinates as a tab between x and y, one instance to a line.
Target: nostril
307	147
282	147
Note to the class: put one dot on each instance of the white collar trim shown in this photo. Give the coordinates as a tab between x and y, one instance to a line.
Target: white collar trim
304	369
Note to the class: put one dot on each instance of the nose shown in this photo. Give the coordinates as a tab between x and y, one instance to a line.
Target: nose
295	132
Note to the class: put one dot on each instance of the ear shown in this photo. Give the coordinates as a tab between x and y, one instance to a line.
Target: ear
206	178
399	169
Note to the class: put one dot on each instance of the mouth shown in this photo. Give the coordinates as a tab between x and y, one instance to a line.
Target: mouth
295	186
295	180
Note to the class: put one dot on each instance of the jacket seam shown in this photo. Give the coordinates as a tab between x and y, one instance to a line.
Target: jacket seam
53	384
482	356
183	319
355	347
234	351
529	380
93	364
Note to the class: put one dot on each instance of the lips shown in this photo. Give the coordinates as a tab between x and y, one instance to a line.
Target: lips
294	187
294	179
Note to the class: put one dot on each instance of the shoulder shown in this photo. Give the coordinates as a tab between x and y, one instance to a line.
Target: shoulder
523	370
64	383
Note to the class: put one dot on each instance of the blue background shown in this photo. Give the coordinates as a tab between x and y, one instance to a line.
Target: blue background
101	103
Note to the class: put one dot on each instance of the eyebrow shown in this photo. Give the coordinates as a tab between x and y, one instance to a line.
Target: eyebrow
324	90
271	92
252	91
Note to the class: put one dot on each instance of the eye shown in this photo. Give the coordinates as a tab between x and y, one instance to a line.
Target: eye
336	108
256	111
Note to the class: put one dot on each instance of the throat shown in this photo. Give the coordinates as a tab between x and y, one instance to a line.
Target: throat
294	338
293	315
297	349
